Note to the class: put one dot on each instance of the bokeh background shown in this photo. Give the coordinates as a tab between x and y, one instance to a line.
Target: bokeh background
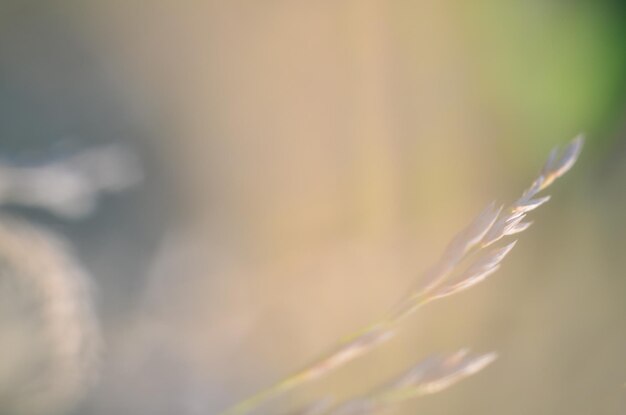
304	162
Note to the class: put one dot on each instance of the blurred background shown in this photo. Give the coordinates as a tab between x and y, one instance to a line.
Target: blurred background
302	163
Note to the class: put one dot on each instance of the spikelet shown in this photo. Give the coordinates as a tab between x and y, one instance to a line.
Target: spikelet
430	376
443	280
489	227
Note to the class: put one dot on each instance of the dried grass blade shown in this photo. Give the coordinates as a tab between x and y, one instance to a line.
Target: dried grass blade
488	227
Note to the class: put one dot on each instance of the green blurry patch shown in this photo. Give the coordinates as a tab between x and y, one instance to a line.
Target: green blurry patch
550	68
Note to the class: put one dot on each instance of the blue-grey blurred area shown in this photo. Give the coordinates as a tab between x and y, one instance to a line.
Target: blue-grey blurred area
58	104
76	165
200	196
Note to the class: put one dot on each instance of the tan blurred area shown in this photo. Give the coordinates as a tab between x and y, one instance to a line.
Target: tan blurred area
304	162
324	153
